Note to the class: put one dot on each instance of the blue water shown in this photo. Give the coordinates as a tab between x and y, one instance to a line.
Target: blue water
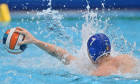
34	66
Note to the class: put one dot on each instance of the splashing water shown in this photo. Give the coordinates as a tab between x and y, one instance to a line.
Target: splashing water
50	27
54	27
92	25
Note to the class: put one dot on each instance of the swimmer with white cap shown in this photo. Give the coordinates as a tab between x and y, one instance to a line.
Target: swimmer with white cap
98	47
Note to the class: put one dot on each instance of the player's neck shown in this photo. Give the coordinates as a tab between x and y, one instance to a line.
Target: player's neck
103	59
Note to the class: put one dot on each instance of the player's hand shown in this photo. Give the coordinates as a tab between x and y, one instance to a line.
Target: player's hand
29	39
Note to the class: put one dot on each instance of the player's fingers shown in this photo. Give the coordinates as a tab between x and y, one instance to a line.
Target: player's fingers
21	32
22	29
21	43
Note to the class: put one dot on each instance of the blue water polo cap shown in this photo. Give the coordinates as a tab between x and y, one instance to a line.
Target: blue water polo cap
98	45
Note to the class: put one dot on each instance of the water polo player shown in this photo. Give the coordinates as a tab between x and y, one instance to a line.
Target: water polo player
98	48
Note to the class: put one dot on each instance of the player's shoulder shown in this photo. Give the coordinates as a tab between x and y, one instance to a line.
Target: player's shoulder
123	56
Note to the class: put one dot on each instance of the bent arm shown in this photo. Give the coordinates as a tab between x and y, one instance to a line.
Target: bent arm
51	49
55	51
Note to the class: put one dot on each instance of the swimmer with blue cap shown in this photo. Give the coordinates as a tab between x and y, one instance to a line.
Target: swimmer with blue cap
98	45
98	48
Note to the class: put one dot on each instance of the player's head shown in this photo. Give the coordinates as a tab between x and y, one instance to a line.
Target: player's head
98	45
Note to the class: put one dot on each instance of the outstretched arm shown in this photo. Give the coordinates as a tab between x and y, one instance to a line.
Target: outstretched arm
51	49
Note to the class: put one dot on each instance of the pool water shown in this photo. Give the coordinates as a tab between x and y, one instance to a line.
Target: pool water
69	30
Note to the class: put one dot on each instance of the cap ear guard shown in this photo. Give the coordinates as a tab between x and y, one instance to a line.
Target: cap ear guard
92	53
95	55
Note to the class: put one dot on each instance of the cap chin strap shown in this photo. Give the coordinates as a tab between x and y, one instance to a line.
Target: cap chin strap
101	56
97	57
